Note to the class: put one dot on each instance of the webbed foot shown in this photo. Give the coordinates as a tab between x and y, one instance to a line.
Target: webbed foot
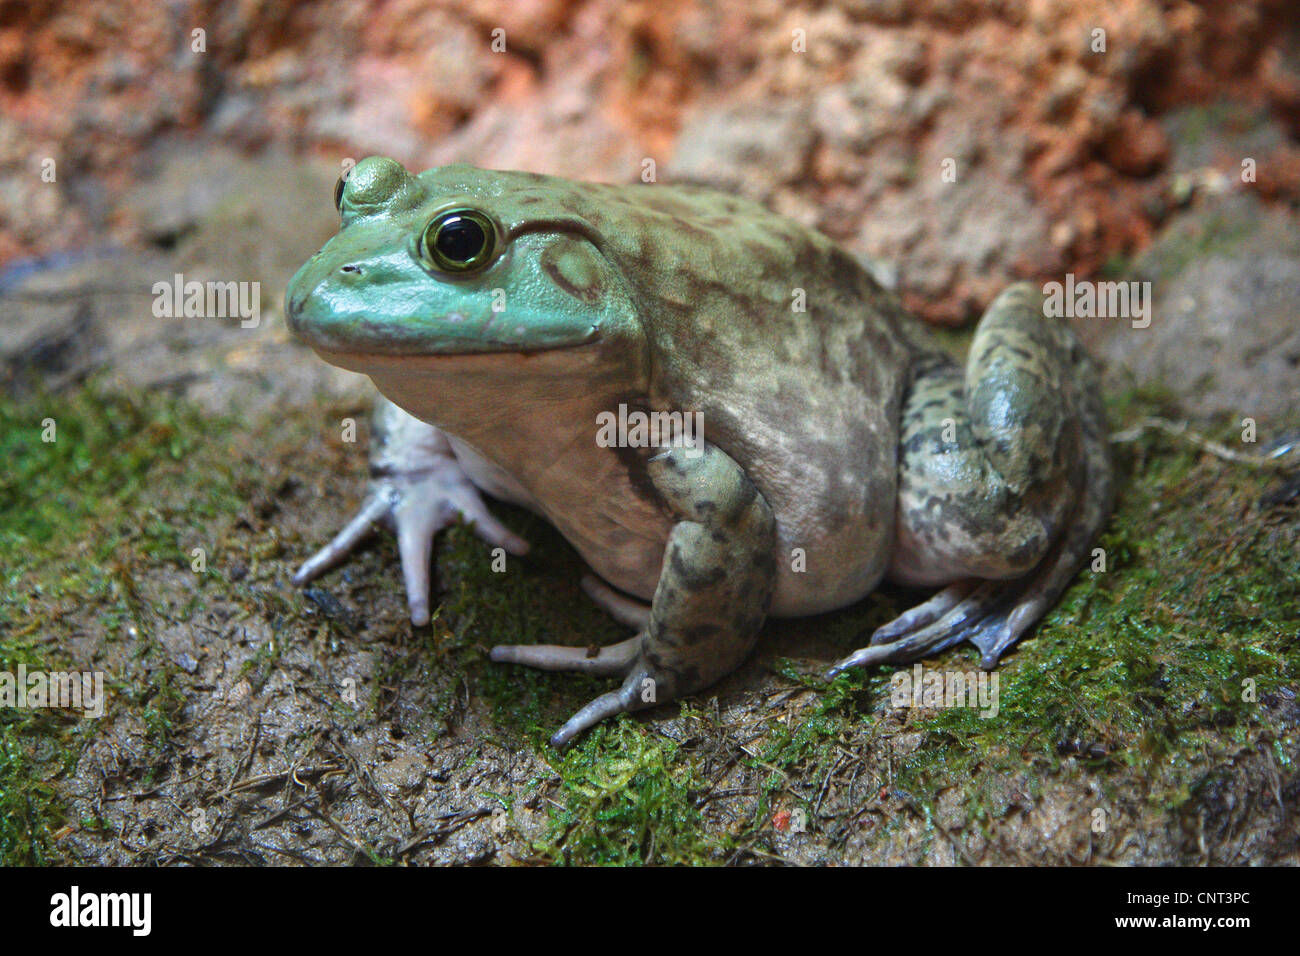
417	488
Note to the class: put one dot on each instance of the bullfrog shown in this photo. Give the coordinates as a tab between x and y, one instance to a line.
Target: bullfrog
509	319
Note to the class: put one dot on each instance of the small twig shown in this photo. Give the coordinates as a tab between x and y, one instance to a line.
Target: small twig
338	828
1277	459
455	821
278	814
826	783
294	774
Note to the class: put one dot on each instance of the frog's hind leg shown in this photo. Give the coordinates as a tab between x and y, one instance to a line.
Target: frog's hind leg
1004	481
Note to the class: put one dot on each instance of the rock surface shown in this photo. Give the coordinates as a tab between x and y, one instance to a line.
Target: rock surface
1224	336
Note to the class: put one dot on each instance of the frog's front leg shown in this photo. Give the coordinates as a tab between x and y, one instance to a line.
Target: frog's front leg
417	488
713	593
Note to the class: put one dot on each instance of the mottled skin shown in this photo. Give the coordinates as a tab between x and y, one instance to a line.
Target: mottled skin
841	444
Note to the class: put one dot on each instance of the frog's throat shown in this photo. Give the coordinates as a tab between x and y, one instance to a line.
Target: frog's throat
463	394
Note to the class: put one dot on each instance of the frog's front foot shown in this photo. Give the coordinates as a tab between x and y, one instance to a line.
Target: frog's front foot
415	506
417	488
713	594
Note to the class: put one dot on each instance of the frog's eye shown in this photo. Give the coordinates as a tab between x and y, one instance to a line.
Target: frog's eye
459	241
338	194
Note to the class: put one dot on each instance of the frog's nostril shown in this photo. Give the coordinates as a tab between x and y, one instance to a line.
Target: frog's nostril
356	269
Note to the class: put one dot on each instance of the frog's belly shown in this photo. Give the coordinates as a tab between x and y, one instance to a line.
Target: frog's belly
622	537
619	534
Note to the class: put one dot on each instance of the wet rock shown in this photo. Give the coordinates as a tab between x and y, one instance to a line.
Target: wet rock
1224	336
404	773
206	215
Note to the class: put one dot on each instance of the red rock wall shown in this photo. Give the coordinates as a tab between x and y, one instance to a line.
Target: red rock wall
1062	154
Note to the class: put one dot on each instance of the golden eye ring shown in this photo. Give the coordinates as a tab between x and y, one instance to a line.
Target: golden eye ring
459	241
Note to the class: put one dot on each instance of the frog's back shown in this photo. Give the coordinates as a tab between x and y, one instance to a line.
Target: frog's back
798	361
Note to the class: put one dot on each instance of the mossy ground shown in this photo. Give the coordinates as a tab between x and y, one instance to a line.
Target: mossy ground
1158	697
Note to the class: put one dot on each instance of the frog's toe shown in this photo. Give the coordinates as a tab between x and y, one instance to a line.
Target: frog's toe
644	685
609	661
415	531
923	614
474	511
626	698
995	636
627	611
342	544
958	613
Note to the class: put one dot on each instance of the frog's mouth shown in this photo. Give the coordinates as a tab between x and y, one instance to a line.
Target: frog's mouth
450	333
366	360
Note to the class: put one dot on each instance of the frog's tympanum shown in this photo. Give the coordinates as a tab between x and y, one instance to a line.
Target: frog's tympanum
508	318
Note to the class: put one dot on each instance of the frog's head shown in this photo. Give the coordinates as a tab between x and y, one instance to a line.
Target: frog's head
457	261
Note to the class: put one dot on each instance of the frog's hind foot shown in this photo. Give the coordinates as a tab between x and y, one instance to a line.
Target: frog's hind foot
959	612
992	615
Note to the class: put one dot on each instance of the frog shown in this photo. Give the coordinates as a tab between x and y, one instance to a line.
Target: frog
504	316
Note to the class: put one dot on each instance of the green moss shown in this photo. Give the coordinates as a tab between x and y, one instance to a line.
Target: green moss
114	489
629	798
